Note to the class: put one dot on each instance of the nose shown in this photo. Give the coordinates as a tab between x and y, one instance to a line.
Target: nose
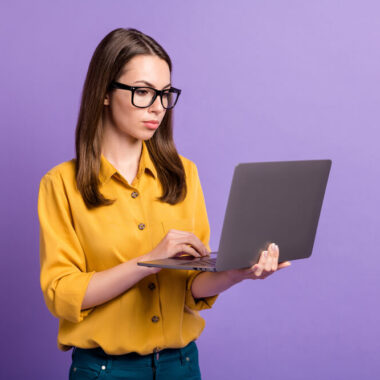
157	105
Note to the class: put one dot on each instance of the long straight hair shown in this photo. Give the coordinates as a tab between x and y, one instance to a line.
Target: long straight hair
111	55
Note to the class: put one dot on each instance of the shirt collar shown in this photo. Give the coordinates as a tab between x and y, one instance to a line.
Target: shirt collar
107	170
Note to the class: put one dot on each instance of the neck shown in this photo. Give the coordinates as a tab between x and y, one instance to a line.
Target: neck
120	149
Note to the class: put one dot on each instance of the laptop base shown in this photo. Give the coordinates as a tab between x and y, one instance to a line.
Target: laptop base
206	264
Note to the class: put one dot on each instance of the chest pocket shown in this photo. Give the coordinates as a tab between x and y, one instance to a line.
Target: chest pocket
159	229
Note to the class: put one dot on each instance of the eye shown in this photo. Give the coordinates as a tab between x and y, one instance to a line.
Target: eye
141	92
166	95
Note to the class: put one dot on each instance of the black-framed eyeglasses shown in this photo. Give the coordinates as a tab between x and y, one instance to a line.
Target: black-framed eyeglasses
143	97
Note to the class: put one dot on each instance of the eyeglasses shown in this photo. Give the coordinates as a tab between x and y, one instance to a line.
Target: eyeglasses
143	97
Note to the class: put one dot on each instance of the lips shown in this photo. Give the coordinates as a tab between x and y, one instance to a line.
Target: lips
151	124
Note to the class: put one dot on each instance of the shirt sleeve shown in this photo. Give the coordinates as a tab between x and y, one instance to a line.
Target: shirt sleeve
202	231
63	275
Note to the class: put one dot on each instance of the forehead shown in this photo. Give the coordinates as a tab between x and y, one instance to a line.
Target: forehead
148	68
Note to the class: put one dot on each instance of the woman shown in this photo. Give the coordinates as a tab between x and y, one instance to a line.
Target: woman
128	196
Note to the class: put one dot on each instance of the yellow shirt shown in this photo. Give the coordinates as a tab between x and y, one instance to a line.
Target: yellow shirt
75	242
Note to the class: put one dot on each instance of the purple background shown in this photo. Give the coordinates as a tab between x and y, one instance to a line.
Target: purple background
261	80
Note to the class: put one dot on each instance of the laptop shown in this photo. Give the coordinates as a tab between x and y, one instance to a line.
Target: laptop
278	202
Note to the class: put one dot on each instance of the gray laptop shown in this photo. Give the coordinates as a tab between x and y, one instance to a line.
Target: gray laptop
276	202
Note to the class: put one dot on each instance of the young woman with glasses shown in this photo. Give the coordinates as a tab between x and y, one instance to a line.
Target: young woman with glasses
129	196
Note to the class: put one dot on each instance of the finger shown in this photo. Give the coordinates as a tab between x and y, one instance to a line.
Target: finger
270	258
285	264
275	258
190	238
176	232
197	243
185	248
263	258
251	269
261	264
202	249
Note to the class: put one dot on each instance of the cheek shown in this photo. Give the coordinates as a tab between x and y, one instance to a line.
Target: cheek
124	113
162	116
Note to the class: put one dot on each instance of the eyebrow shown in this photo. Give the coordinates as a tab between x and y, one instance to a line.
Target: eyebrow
150	84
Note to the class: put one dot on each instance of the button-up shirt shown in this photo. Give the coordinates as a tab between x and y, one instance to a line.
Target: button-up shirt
75	242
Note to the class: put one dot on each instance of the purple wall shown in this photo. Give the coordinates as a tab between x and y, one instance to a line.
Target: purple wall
261	80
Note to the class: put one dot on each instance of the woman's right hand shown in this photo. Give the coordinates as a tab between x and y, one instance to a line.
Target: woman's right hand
177	243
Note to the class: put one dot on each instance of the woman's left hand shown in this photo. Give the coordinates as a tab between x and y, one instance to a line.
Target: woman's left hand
267	265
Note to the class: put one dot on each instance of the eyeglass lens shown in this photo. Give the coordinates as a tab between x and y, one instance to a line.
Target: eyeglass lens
143	97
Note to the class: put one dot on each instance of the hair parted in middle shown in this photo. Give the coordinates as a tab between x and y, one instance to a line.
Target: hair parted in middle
111	55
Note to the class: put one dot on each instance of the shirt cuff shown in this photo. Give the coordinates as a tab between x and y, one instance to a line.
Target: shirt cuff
69	296
197	303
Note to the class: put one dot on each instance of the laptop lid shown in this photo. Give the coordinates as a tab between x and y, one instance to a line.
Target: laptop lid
272	202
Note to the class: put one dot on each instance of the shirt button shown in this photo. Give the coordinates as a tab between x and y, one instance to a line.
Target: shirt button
152	286
155	319
134	194
141	226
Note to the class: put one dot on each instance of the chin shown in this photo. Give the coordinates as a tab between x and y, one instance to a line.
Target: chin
147	135
142	136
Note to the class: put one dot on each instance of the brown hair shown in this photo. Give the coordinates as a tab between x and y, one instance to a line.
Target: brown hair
115	50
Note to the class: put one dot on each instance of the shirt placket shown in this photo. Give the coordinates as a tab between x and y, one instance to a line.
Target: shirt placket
155	318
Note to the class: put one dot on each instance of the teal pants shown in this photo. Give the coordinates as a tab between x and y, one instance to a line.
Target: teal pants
169	364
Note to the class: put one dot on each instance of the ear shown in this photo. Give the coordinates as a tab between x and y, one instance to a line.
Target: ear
106	100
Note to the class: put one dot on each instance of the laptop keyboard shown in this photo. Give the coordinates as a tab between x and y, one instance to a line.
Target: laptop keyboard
210	261
206	262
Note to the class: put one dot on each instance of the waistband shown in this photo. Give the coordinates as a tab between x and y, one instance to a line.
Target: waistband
101	358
